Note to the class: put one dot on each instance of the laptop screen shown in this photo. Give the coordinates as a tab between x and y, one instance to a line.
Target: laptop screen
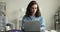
32	26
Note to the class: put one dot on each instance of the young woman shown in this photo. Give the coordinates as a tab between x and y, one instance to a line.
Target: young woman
33	14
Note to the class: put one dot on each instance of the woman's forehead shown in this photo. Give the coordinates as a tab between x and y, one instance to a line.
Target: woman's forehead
35	5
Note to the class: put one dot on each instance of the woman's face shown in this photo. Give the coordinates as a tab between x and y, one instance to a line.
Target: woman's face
34	8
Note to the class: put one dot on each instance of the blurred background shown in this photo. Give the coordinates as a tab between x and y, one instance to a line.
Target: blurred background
15	10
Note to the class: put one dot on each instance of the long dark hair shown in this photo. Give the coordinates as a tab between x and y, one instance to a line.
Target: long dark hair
28	11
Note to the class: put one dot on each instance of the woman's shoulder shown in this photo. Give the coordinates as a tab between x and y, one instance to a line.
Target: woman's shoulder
25	17
40	16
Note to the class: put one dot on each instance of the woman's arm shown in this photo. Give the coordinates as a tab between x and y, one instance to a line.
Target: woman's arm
22	27
43	27
23	20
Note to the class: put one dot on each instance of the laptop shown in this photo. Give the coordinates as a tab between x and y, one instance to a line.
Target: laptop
32	26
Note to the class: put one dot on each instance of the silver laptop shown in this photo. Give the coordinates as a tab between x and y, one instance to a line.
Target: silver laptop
32	26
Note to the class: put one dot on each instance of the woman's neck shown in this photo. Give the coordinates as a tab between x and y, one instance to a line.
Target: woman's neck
33	15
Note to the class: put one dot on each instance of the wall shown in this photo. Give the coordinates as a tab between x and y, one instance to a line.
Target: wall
59	3
16	9
2	0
